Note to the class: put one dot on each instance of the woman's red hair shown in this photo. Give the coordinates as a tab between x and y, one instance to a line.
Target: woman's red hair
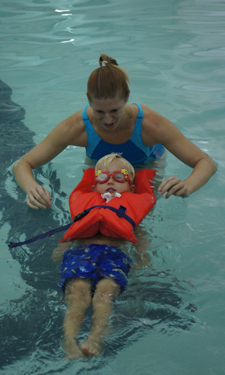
108	81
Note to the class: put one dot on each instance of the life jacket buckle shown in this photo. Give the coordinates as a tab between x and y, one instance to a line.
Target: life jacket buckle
81	215
121	211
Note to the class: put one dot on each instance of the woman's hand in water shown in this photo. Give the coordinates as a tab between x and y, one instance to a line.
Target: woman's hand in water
174	186
38	197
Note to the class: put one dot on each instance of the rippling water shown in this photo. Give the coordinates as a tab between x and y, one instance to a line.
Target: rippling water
171	319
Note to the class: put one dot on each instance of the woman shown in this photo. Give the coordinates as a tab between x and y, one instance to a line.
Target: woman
108	125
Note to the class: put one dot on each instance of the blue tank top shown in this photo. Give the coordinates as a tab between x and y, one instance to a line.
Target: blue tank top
134	150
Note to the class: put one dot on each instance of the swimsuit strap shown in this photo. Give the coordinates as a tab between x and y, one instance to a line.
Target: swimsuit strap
136	136
92	136
119	211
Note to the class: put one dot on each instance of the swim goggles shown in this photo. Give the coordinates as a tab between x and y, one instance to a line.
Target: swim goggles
119	176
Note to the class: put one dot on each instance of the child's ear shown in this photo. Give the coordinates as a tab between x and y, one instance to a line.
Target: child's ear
93	188
132	188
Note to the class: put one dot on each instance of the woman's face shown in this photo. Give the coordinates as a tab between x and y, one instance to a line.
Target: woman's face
108	112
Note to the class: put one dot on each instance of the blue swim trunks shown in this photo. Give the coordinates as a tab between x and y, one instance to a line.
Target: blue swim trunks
95	262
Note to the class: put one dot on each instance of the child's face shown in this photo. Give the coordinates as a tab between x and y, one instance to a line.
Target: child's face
111	186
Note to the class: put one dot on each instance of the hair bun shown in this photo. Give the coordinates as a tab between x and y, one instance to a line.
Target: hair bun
104	60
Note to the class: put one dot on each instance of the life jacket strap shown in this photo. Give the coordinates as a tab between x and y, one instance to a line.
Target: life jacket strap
119	211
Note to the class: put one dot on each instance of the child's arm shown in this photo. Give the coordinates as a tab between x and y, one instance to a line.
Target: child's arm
142	255
58	252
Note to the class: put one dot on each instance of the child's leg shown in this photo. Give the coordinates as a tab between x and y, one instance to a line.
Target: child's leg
106	291
78	299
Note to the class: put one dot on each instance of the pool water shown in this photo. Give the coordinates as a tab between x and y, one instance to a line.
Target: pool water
171	319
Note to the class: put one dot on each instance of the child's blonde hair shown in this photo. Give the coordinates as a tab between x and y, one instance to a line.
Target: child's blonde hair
107	160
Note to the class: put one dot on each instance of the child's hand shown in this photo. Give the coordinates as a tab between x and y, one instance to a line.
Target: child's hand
59	251
143	261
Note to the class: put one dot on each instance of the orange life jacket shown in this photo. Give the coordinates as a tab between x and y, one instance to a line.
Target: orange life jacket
135	207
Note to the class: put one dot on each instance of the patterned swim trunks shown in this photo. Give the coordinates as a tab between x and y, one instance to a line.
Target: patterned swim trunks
95	262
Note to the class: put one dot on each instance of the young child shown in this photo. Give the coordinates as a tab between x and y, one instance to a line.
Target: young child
95	270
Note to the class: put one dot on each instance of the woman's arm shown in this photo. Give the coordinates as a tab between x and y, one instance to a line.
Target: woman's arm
202	172
70	131
157	129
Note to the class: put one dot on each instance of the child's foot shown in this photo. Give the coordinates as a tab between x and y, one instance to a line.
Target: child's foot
92	347
72	350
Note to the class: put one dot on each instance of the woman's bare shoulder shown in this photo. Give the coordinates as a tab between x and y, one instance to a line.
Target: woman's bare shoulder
154	126
71	130
152	117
